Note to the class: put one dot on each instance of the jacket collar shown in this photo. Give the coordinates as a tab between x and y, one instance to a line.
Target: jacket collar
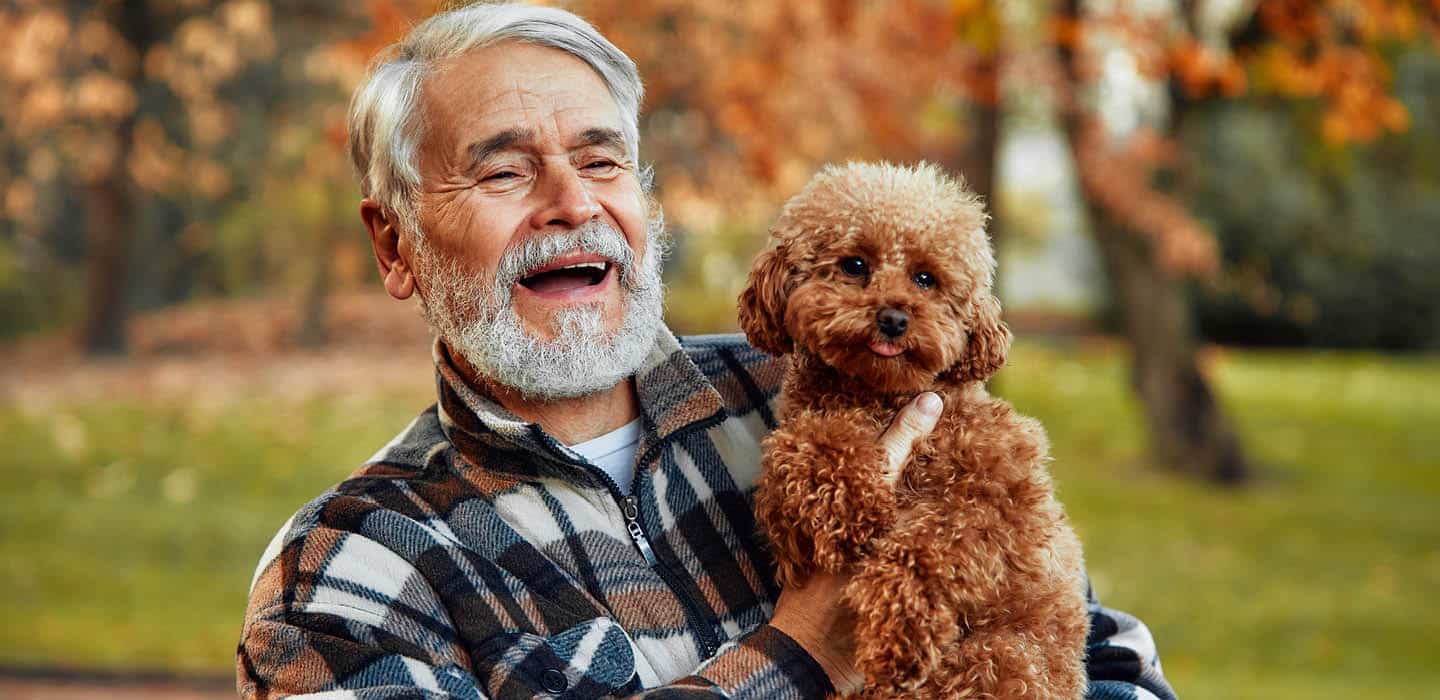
673	395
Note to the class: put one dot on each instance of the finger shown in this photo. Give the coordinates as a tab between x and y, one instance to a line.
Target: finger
915	421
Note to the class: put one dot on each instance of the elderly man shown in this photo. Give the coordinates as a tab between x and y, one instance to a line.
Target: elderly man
572	518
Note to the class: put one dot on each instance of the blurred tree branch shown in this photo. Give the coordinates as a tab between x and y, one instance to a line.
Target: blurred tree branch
156	117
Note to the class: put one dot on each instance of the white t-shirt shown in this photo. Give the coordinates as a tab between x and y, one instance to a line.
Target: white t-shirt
614	452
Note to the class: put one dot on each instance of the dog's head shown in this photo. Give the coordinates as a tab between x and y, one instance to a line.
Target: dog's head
882	272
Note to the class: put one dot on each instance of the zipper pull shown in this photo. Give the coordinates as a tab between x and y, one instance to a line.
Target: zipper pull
630	507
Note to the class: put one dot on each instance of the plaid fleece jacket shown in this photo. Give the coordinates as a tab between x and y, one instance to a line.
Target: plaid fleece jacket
476	557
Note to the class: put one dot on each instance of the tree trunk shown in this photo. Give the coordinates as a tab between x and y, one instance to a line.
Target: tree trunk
1189	431
979	164
313	331
108	222
981	160
110	218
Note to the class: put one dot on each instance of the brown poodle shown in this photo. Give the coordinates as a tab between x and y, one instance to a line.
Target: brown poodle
967	579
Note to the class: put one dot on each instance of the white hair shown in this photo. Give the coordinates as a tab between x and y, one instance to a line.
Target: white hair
386	123
474	315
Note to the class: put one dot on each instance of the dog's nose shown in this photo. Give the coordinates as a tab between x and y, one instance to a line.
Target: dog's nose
892	322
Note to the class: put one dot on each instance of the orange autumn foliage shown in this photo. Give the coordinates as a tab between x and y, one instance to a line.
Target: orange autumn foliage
745	99
1331	52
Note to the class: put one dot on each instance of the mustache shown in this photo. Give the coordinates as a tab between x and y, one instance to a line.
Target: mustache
595	237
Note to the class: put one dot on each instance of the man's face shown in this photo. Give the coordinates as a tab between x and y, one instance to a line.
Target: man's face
536	261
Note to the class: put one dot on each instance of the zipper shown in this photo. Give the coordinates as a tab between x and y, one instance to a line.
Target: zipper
704	631
630	510
630	506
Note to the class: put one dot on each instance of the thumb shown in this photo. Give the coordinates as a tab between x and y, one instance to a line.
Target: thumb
915	421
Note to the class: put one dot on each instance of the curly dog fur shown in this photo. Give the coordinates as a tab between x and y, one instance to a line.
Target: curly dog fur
977	591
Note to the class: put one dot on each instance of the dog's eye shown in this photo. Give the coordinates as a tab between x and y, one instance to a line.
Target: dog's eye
924	280
854	267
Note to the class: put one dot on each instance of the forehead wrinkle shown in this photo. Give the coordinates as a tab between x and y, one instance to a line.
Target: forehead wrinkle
528	102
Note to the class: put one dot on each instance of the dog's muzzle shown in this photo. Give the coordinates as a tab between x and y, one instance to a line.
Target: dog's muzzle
892	322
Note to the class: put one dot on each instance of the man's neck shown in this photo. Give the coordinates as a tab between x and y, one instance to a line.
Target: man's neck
571	421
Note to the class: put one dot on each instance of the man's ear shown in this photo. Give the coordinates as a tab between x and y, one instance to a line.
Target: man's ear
395	269
762	304
987	344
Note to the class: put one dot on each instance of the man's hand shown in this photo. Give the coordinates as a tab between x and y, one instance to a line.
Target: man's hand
813	614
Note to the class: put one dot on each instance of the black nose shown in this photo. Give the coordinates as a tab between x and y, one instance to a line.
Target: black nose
892	322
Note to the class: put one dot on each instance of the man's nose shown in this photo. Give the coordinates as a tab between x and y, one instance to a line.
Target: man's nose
567	201
892	322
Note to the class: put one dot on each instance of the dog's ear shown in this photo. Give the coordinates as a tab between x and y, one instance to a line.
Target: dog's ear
762	304
986	346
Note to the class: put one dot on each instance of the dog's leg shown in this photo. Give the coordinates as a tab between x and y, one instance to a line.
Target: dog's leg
821	496
940	576
1020	605
905	621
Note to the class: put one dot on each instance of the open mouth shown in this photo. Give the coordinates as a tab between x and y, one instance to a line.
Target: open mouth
565	277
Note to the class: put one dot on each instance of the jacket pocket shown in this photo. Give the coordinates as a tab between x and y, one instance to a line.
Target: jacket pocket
593	659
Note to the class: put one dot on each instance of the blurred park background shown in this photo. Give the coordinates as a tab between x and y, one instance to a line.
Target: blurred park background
1219	225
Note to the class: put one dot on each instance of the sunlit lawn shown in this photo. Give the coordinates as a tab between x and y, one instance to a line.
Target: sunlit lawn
1318	582
129	528
129	531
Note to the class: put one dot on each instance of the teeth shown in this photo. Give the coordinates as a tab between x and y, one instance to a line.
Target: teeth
586	266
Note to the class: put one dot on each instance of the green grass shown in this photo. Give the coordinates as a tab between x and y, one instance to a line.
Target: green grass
129	529
1316	582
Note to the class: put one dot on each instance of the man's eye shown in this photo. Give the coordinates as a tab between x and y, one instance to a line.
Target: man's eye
601	167
924	280
501	176
855	267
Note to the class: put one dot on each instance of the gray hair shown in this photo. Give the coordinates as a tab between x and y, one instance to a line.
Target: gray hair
385	124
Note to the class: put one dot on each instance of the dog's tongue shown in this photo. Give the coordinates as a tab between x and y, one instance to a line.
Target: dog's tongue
885	349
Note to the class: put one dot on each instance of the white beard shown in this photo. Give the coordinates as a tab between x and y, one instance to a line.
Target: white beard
476	319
